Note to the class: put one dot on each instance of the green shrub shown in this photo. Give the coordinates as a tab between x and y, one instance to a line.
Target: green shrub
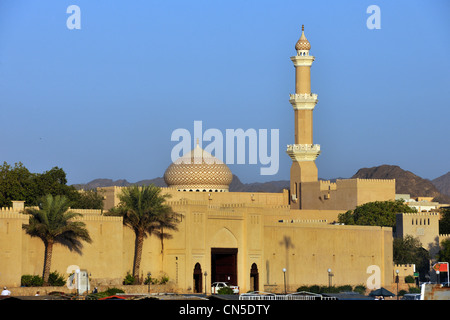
409	279
325	289
361	289
164	279
302	288
129	279
345	288
314	289
31	281
56	280
414	290
225	290
402	292
113	291
109	292
150	280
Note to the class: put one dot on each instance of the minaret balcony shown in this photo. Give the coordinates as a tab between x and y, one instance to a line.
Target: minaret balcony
303	101
303	152
302	59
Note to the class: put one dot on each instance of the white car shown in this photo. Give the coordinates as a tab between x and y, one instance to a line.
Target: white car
216	286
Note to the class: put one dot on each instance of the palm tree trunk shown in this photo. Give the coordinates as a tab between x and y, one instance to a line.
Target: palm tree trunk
138	255
47	260
162	248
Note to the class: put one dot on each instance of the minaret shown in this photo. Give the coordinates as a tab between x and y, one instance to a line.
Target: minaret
303	153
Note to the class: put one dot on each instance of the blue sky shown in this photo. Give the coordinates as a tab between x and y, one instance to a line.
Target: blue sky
103	101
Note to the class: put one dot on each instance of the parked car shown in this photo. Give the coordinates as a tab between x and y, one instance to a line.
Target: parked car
216	286
411	296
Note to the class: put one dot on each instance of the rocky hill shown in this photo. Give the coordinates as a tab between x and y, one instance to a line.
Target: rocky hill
159	182
442	183
271	186
405	181
235	186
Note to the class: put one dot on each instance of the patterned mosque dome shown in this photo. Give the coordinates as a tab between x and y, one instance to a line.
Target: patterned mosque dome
198	171
303	43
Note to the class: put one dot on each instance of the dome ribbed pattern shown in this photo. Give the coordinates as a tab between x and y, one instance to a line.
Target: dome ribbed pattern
303	43
198	171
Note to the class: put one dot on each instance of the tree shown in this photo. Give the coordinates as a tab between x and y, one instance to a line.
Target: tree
444	222
88	199
18	183
144	210
408	250
444	252
54	223
378	213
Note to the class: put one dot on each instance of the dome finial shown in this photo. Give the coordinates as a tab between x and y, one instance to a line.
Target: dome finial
303	43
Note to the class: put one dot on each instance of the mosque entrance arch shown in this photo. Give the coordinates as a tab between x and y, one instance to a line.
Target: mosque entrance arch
224	265
198	278
254	278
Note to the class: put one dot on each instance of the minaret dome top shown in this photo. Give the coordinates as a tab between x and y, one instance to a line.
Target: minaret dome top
302	43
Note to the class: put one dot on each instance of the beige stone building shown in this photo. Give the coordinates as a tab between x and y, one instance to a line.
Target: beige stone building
244	238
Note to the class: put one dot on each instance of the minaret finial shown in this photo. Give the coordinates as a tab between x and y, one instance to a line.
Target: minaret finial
197	142
302	43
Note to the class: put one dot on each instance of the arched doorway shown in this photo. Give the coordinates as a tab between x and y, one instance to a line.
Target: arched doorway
224	265
198	278
254	278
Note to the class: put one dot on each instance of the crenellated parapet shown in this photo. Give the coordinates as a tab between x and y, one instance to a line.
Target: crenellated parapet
306	221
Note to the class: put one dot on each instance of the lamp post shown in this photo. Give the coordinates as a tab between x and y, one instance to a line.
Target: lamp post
88	276
77	272
149	274
397	280
284	274
205	274
330	276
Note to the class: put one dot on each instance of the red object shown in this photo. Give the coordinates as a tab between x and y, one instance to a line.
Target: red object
113	298
441	266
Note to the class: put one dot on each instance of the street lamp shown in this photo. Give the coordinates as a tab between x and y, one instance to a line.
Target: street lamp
330	276
397	280
77	272
284	273
205	274
88	275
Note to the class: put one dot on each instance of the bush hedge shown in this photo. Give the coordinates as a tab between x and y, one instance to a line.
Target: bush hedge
54	280
333	289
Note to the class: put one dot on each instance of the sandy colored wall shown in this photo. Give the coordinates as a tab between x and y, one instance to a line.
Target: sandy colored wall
111	197
421	225
11	246
308	250
345	194
251	226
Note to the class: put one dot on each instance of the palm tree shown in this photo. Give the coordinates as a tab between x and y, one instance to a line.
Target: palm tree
54	223
144	210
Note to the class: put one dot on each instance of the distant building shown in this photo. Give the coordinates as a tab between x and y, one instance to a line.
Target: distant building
421	204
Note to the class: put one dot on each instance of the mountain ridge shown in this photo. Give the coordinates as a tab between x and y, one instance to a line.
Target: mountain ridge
406	183
442	183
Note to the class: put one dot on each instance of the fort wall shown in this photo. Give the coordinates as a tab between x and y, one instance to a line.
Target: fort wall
255	230
345	194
